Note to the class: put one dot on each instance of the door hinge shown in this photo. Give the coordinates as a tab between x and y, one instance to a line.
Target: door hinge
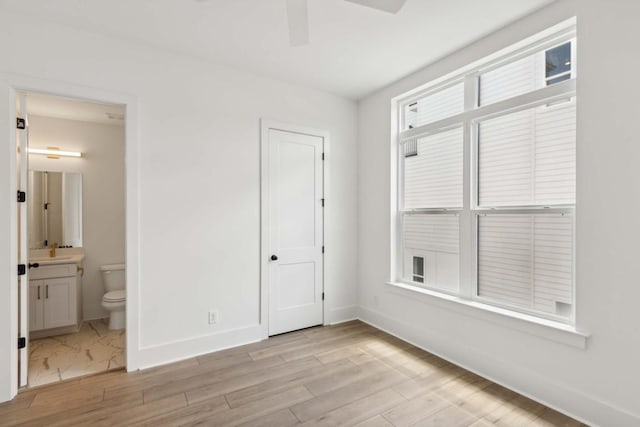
322	156
323	249
323	203
22	196
22	342
22	269
323	296
21	123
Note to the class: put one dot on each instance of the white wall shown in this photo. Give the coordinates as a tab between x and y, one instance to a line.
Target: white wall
599	384
102	169
199	172
199	183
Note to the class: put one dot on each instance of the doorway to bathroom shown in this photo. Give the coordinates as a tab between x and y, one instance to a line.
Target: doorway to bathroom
71	221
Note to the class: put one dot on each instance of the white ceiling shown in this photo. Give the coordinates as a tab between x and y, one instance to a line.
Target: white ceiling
353	50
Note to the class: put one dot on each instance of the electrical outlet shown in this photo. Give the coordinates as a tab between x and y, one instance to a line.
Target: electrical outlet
213	317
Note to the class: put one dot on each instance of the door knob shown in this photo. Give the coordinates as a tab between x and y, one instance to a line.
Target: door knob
34	265
274	258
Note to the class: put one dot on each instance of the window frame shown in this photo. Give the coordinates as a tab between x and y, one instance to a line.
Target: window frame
470	212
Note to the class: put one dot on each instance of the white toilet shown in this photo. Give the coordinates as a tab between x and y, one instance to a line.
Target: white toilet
114	300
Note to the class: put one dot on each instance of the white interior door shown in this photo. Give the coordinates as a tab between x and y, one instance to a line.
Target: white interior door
23	245
295	231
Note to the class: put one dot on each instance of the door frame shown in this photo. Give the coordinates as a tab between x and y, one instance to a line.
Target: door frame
10	86
24	290
265	126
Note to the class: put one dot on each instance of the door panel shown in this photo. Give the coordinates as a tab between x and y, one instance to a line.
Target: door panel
295	231
60	302
296	204
296	285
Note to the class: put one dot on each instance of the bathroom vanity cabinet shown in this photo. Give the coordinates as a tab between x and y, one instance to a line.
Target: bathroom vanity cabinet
54	299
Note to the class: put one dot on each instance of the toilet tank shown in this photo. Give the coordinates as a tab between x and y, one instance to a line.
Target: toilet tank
113	277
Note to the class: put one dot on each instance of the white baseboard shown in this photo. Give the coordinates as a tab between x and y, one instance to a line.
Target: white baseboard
342	314
569	401
184	349
163	354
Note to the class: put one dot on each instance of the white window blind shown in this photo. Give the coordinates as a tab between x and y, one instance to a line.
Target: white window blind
527	260
435	106
526	74
512	79
433	176
529	157
436	239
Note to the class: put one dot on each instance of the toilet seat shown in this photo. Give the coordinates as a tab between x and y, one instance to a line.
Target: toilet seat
115	296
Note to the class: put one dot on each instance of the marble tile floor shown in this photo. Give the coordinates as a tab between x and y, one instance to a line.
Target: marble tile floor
91	350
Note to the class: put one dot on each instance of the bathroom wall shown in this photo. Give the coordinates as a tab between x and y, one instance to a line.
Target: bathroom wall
102	169
598	384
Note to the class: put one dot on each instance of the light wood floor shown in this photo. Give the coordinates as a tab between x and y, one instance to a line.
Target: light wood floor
348	374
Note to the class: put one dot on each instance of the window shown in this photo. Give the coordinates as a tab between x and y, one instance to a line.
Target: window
487	166
418	269
558	64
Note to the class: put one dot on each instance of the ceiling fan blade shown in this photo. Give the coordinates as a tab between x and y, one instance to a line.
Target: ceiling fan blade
391	6
298	22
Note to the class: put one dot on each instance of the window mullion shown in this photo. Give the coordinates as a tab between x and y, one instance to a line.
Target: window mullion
466	249
548	94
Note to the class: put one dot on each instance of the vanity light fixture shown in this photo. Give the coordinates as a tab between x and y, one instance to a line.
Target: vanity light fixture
54	152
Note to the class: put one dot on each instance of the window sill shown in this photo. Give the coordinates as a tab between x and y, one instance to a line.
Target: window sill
548	329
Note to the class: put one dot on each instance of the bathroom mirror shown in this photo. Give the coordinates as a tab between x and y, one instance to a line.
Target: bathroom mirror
55	209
